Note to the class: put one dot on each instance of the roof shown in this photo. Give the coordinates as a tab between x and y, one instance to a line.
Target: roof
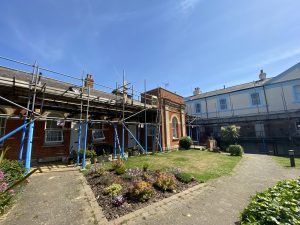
227	90
24	76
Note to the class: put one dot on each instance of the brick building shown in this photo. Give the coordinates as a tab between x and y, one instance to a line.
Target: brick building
59	105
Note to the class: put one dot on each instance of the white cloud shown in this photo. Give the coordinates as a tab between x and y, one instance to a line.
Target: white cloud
186	6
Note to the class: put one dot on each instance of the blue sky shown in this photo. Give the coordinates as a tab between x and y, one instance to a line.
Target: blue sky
185	43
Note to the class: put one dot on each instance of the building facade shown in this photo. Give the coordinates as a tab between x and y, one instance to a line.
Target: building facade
267	110
61	106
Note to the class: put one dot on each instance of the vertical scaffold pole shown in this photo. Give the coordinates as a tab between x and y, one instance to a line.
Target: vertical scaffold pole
160	139
115	141
80	124
123	141
31	126
145	125
26	115
139	134
197	134
86	129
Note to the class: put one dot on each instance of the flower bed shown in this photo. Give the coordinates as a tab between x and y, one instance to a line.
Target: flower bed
136	188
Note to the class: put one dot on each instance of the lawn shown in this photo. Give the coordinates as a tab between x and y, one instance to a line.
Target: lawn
202	165
285	161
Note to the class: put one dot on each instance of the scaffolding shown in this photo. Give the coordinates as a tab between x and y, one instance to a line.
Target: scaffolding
124	108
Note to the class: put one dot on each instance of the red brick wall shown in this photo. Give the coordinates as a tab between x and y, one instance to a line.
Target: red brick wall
39	148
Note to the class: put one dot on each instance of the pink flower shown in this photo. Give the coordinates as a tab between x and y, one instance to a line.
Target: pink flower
1	175
3	186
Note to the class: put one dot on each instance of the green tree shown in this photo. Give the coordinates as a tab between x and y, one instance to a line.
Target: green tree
229	135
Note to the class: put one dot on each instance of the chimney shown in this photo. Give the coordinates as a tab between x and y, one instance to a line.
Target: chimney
262	75
89	81
197	91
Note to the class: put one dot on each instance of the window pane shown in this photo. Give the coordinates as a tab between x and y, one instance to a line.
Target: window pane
53	136
198	108
98	134
223	104
255	99
297	92
174	127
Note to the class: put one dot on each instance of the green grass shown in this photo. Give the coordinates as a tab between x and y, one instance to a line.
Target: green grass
202	165
285	161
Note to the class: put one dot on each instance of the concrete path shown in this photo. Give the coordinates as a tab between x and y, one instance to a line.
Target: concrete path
56	198
220	201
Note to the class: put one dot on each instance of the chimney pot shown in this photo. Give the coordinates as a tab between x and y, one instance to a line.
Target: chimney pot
89	81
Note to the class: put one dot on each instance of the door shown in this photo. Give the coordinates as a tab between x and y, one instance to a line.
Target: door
131	141
74	136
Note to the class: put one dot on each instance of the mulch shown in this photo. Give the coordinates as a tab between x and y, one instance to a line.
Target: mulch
99	183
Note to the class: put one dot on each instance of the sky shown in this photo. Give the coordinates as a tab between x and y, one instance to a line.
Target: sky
175	44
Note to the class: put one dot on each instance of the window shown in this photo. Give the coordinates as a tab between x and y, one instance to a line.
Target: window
53	132
174	127
97	132
198	108
2	126
297	92
255	99
223	104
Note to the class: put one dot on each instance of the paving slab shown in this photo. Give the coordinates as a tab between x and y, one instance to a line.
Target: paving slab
58	197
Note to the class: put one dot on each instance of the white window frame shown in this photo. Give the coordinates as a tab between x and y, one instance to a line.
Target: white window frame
296	92
255	99
221	104
297	124
198	107
48	131
175	127
98	127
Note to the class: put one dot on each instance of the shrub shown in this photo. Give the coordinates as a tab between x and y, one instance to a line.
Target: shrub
185	177
113	190
133	174
165	181
185	142
235	150
13	170
277	205
145	167
100	171
119	166
105	180
91	154
140	191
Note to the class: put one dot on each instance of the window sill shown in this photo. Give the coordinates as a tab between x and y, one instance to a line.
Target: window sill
175	139
47	145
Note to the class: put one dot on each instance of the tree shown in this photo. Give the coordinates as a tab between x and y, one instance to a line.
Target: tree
229	135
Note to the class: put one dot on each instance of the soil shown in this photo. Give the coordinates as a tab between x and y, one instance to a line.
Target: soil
99	183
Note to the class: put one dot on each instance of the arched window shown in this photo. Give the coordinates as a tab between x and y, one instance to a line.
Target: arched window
174	127
54	131
2	123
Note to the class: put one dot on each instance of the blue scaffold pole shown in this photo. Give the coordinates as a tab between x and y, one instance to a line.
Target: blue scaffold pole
78	143
29	147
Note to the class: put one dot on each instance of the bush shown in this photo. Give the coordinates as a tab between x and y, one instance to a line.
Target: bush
91	154
235	150
13	170
185	142
113	190
140	191
100	171
119	166
184	177
145	167
277	205
165	181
